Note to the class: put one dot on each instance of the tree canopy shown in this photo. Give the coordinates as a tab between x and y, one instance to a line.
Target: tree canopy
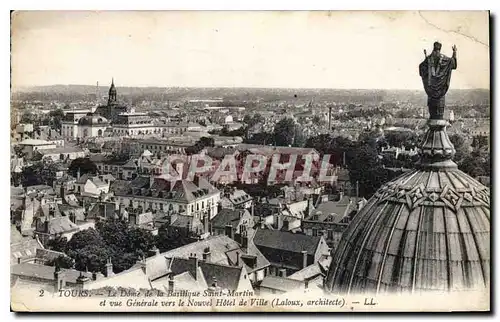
284	132
84	165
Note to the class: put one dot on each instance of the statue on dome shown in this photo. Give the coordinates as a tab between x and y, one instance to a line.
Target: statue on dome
435	71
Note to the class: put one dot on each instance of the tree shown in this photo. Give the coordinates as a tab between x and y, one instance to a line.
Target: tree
284	132
408	139
317	120
29	118
168	239
366	169
476	164
263	138
92	257
462	148
84	165
55	118
479	142
58	244
140	241
39	173
85	237
63	261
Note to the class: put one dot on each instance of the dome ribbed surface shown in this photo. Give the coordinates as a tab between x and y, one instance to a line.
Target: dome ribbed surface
424	231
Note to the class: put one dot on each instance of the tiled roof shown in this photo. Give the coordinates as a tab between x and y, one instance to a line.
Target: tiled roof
47	254
45	272
61	150
218	245
281	283
287	241
227	217
25	248
61	225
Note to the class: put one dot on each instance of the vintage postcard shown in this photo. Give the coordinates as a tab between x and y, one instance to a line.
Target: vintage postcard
250	161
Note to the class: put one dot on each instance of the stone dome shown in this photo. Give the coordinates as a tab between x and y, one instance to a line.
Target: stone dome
427	230
93	120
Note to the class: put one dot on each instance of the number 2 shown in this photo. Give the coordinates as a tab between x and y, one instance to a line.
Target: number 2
41	293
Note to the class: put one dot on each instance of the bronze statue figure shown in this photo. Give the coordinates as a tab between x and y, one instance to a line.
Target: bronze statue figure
435	71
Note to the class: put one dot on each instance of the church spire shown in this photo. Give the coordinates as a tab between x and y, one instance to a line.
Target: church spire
112	93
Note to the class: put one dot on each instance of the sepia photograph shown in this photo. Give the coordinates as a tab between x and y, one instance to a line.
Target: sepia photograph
250	161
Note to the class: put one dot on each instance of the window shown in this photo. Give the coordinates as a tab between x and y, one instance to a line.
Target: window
330	234
315	232
202	204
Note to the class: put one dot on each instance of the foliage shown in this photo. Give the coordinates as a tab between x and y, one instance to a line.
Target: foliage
262	138
85	165
462	147
253	120
112	239
476	164
62	261
39	173
408	139
366	168
284	132
29	118
58	244
172	238
200	145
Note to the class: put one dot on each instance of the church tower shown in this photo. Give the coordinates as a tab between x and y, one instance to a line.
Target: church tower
111	98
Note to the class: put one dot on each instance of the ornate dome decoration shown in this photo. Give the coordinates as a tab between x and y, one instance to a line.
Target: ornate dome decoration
427	230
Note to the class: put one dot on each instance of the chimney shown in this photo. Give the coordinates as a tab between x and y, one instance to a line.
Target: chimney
81	280
179	168
194	260
282	272
46	225
94	276
121	207
285	225
171	283
205	223
237	258
279	221
244	240
62	192
229	231
154	251
304	259
58	279
214	283
206	254
142	264
78	174
109	268
132	218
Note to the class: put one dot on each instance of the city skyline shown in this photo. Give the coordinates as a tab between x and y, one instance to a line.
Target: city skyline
245	49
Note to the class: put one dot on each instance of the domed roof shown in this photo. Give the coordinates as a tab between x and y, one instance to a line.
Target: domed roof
92	119
427	230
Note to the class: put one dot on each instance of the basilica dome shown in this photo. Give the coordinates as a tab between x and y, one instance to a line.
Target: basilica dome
427	230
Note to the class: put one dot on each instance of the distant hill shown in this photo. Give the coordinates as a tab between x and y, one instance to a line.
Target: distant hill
87	92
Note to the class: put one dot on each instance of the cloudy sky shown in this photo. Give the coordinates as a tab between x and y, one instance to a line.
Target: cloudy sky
245	49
